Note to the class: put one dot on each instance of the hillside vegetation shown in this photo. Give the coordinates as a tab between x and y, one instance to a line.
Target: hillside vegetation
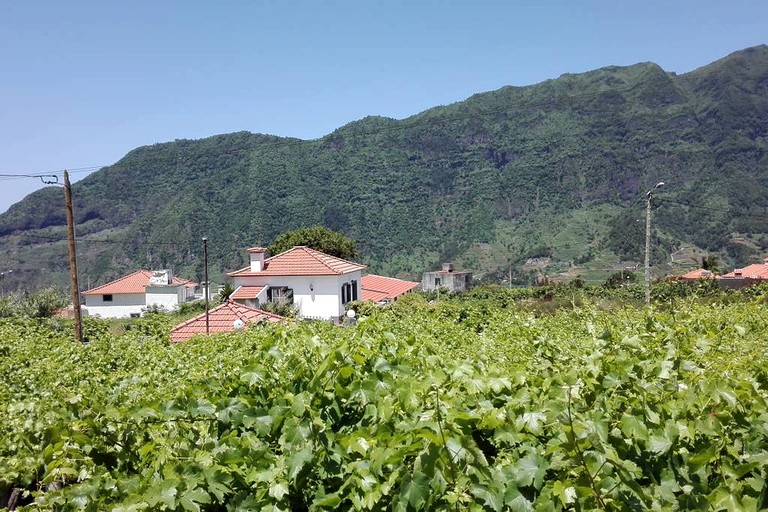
556	170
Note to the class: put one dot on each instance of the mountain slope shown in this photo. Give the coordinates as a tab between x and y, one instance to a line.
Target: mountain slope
556	170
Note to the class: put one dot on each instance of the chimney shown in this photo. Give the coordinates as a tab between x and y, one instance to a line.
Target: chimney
447	267
257	258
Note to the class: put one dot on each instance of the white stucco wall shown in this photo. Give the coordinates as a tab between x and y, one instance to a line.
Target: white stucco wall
121	306
167	297
322	301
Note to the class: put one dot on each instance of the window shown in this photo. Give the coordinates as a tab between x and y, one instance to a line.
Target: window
348	292
281	294
438	281
107	297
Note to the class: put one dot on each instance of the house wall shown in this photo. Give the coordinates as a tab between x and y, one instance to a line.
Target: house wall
122	305
323	301
167	297
428	281
459	281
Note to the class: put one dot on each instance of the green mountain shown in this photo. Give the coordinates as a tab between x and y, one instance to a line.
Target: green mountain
552	175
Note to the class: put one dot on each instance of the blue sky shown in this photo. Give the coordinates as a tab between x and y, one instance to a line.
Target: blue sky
82	83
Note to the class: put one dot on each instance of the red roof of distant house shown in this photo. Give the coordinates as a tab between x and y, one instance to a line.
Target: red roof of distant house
221	319
756	271
132	283
301	261
246	292
379	288
699	273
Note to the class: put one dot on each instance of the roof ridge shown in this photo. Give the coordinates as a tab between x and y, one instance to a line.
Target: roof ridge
320	256
141	270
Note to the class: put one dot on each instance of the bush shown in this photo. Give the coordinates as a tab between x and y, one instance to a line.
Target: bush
41	304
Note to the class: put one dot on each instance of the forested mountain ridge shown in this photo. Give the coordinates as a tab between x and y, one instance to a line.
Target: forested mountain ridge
558	170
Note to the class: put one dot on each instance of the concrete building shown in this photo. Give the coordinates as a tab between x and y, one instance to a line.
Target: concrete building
447	279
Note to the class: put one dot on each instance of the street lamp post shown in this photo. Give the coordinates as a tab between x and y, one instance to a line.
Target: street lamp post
648	197
207	284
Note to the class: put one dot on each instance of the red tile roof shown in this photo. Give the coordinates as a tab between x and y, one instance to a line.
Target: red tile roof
379	288
301	261
699	273
246	292
221	319
756	271
132	283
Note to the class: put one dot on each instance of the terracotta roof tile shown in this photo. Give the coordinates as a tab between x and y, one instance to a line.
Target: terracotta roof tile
699	273
132	283
301	261
221	319
756	271
246	292
378	288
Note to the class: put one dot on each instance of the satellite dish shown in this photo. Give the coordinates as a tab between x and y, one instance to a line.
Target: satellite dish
238	325
351	313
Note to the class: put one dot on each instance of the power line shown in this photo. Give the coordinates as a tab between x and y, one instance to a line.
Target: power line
41	175
84	239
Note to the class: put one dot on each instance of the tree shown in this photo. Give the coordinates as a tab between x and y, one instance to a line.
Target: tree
225	292
712	263
317	238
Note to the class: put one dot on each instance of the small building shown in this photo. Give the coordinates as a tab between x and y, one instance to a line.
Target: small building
317	284
227	317
131	295
749	275
697	275
447	279
382	290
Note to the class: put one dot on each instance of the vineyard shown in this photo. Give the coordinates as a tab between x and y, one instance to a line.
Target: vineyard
473	405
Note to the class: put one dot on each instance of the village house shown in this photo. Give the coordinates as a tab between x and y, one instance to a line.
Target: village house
447	279
697	275
741	277
227	317
131	295
382	290
317	284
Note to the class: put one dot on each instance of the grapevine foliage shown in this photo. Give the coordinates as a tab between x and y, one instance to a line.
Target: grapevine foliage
418	407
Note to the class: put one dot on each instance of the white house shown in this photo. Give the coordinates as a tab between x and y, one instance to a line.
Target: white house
318	284
130	295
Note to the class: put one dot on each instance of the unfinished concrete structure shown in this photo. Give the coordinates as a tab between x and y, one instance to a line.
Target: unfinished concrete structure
447	279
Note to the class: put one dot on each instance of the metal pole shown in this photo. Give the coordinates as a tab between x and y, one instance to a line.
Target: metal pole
647	283
73	259
206	283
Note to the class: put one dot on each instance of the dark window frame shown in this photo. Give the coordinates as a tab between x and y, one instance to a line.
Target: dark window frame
284	294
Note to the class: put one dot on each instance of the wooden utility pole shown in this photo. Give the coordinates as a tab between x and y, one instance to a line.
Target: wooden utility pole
73	259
